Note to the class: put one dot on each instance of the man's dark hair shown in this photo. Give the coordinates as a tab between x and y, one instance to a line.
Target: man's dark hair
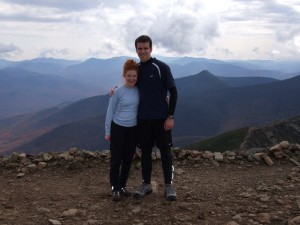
143	38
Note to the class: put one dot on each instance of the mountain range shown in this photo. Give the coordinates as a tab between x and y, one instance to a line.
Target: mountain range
31	85
207	105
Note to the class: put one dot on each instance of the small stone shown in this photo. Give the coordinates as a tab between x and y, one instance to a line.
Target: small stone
294	221
19	175
93	222
264	218
70	212
232	223
43	210
42	165
54	222
137	209
154	186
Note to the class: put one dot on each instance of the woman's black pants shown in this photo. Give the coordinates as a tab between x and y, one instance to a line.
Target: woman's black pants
122	149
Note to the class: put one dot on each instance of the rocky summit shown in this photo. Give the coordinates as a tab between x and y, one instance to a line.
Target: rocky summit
256	186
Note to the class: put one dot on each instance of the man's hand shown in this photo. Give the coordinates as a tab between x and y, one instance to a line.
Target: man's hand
169	124
112	91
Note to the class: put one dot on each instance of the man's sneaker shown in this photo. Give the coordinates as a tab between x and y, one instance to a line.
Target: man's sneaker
170	194
143	190
116	197
125	192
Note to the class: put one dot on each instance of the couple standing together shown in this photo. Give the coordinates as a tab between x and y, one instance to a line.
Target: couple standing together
139	112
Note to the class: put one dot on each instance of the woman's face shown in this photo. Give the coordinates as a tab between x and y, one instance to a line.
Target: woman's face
130	78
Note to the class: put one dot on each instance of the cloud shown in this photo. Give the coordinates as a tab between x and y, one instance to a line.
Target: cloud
109	47
183	36
57	10
70	5
288	33
25	13
225	51
256	51
52	52
284	19
297	41
9	50
101	28
174	31
273	53
269	14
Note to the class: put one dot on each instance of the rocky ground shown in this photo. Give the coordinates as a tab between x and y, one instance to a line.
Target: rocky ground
209	193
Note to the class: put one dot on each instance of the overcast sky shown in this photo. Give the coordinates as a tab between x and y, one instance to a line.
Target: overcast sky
218	29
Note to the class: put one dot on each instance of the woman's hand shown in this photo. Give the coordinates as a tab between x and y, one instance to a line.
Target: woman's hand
107	138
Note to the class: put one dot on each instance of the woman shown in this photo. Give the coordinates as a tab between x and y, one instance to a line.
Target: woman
120	129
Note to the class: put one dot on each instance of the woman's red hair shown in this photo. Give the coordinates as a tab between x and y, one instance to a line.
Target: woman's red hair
130	64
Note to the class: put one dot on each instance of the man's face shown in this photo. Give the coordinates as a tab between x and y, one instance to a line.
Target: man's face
143	51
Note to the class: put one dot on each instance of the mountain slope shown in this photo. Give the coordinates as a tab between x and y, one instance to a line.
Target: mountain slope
227	141
105	73
203	81
24	91
85	134
283	130
246	81
253	137
20	129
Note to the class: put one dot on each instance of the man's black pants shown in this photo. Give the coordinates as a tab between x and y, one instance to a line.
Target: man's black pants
151	133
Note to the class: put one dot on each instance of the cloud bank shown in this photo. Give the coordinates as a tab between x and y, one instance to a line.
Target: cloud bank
75	29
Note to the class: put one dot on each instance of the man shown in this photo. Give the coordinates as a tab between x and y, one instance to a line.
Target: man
155	116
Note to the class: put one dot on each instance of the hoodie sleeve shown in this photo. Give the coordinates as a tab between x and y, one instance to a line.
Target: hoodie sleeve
112	105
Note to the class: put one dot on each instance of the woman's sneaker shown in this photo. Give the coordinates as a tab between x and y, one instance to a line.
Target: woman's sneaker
125	192
143	190
170	194
116	197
